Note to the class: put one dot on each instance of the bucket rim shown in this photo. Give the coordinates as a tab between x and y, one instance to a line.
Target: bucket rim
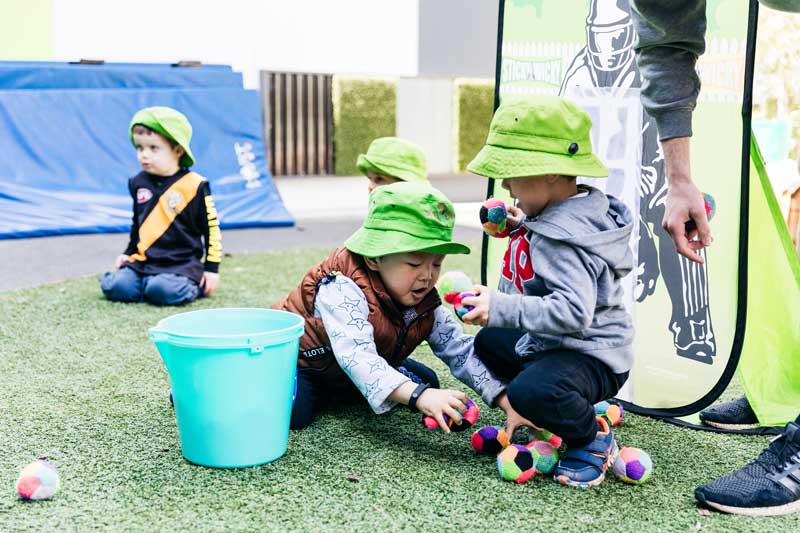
158	328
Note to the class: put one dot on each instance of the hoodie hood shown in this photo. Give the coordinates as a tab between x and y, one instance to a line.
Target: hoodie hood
600	225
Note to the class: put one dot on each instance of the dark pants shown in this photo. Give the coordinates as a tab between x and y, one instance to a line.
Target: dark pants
127	285
555	390
312	393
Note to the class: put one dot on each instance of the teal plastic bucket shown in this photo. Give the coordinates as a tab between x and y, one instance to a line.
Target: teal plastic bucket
233	376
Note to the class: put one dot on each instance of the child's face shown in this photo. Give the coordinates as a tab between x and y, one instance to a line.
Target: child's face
534	193
376	180
156	155
408	277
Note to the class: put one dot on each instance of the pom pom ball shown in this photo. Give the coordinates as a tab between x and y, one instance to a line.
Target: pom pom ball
469	418
547	436
610	411
633	466
515	463
459	307
493	215
490	440
545	456
451	283
38	481
711	209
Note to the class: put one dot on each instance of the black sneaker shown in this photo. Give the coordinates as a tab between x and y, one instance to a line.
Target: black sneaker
768	486
735	414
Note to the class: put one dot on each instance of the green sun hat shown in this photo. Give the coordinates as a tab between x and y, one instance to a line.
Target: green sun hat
535	136
406	217
171	124
394	157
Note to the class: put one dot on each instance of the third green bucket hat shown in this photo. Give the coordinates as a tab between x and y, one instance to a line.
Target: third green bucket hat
538	135
406	217
395	157
171	124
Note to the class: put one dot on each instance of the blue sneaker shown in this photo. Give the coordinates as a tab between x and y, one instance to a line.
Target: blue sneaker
586	467
768	486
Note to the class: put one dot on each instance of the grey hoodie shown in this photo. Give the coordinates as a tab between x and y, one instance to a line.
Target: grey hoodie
561	280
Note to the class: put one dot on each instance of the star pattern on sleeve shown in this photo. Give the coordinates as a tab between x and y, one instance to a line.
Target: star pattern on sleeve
348	361
348	304
357	321
336	335
377	366
479	379
358	343
372	389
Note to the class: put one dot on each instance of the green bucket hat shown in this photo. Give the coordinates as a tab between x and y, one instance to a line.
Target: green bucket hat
406	217
395	157
535	136
171	124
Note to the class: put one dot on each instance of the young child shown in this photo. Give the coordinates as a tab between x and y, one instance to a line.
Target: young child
173	216
391	159
557	329
369	304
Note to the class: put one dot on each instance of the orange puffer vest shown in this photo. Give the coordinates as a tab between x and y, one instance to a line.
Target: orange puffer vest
395	341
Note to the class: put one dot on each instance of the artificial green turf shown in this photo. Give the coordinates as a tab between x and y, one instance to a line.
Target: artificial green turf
81	384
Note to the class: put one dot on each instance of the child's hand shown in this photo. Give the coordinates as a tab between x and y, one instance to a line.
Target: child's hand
121	260
436	402
209	283
515	216
480	315
513	418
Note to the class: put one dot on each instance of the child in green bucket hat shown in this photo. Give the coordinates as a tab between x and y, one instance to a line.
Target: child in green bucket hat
392	159
371	303
175	245
557	328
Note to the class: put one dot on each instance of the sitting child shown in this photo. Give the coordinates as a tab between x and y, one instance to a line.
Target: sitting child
173	217
369	305
557	329
391	159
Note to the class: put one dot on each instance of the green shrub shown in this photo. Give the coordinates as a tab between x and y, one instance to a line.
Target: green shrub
363	109
474	102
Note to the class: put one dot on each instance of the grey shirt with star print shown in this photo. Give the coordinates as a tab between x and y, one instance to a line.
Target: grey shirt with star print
344	311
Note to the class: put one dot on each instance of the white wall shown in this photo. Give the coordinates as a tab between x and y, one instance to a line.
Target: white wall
341	36
425	116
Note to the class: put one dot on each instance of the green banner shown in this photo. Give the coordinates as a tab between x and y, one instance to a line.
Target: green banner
686	314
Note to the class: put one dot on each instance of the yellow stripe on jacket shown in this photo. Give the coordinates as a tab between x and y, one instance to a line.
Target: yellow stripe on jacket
214	254
170	204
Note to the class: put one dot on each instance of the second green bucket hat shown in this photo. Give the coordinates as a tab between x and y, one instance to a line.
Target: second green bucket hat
406	217
535	136
171	124
394	157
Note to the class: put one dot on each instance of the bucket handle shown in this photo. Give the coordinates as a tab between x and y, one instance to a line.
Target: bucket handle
157	335
255	349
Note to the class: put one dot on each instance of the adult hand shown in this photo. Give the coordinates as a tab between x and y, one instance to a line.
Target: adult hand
685	216
209	283
439	402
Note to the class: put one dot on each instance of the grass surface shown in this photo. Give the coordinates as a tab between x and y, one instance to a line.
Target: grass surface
81	383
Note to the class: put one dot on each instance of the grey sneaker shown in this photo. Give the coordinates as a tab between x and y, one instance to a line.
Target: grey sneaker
735	414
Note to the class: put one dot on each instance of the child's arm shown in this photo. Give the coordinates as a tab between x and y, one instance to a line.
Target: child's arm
450	344
133	238
213	240
343	308
569	307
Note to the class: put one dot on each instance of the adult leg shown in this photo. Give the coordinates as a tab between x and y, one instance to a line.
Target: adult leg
124	285
170	289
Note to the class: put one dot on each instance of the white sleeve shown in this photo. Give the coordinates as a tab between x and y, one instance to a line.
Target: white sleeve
344	310
457	349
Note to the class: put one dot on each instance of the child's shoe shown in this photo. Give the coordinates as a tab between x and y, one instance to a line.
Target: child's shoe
586	467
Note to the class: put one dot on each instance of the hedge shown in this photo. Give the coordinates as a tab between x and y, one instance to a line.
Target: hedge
474	100
363	109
